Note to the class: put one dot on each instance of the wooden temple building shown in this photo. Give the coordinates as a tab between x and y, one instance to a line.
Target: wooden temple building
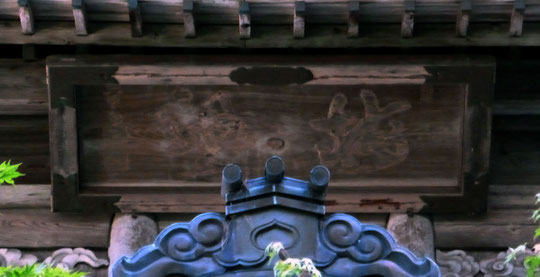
124	112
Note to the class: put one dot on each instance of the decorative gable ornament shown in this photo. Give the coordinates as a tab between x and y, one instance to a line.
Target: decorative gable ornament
269	209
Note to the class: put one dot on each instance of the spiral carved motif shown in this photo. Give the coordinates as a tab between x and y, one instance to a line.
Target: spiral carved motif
457	264
190	241
341	233
496	266
370	248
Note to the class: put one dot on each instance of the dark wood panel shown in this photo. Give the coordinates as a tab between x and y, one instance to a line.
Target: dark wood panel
23	87
515	158
399	136
365	135
25	197
496	229
25	139
33	228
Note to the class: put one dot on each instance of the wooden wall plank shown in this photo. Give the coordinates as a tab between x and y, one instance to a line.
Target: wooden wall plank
496	229
23	88
33	228
25	197
25	139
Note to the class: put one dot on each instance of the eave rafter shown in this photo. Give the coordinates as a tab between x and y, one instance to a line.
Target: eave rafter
351	23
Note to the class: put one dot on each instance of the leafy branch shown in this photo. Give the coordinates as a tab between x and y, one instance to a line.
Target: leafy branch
290	267
8	172
532	262
35	270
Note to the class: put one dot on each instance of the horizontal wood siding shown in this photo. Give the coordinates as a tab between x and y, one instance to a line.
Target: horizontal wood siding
24	125
514	175
32	228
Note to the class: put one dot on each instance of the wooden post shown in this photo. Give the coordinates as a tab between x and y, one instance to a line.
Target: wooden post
244	20
463	18
79	16
354	15
189	19
26	16
516	22
407	22
299	21
135	18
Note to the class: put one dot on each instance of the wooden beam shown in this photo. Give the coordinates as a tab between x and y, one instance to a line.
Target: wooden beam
516	21
278	36
407	22
244	20
80	18
299	24
23	90
39	228
463	18
354	15
135	18
25	197
189	18
26	16
274	12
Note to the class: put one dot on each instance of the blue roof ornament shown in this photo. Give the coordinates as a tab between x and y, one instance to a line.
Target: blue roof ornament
273	208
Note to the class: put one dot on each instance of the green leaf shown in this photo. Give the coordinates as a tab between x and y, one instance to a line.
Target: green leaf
9	172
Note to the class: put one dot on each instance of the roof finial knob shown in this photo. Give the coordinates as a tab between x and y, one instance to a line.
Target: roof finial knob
231	179
319	178
274	170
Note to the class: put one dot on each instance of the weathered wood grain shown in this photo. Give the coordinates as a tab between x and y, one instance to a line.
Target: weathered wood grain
80	17
23	88
135	18
192	137
224	36
463	18
496	229
354	17
25	197
25	140
244	20
354	123
26	17
273	12
188	6
299	22
32	228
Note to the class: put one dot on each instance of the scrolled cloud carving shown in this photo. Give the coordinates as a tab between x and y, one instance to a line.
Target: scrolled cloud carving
457	263
188	241
492	267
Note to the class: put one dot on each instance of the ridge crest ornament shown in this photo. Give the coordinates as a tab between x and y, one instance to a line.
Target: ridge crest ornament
273	208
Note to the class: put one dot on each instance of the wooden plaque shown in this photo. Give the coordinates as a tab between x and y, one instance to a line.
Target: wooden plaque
152	134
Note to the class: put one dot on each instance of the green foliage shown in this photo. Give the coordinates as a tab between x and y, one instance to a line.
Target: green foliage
37	270
532	265
290	267
9	172
532	262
